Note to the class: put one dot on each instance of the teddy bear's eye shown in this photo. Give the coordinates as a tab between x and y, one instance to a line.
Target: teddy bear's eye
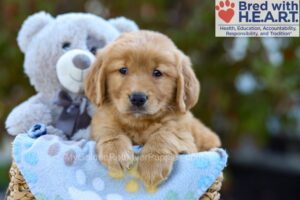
93	44
93	50
66	45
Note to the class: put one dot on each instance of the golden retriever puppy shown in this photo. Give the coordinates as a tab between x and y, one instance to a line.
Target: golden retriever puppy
144	87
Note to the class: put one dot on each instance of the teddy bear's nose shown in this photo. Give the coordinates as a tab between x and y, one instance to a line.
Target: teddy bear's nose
81	61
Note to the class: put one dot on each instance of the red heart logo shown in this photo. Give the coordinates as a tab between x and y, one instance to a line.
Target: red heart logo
226	15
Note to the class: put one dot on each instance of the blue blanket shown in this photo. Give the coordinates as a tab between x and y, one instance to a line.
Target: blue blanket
55	169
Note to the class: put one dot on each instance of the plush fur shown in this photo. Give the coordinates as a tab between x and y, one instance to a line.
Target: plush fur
41	39
164	126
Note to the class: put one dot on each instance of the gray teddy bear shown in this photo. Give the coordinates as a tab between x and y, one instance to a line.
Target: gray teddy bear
58	53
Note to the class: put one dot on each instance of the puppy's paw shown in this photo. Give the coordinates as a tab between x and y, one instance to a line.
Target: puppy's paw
154	168
116	156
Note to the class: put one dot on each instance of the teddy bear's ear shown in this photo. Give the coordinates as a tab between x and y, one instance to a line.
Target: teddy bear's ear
123	24
32	25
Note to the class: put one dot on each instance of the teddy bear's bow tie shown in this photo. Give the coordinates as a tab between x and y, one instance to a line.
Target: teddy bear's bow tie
74	115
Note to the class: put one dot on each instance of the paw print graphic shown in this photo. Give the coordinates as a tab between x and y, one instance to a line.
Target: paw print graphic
225	10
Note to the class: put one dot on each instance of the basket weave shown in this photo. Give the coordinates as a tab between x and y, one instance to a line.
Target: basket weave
18	189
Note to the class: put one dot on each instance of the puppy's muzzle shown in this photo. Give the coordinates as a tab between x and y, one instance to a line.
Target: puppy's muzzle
138	99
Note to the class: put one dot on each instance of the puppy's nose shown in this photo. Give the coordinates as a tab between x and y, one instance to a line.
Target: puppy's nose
81	61
138	99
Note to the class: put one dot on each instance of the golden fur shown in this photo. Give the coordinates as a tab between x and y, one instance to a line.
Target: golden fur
165	127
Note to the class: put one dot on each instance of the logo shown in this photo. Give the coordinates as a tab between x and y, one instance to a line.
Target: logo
257	18
225	10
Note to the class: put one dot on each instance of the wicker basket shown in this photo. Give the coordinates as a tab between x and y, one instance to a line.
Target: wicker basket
18	189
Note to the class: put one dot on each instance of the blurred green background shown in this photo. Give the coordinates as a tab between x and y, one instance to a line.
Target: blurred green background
250	87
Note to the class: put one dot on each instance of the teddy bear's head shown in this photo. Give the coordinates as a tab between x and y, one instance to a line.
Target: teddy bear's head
60	50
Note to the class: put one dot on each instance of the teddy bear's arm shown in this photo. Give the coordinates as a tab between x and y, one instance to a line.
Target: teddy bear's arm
27	114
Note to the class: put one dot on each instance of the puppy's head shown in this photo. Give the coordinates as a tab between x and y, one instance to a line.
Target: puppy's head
142	74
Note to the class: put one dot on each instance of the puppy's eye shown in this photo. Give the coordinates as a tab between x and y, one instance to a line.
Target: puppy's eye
123	70
66	45
156	73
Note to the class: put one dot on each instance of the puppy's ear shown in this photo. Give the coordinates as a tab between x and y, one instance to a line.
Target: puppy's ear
188	86
95	82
